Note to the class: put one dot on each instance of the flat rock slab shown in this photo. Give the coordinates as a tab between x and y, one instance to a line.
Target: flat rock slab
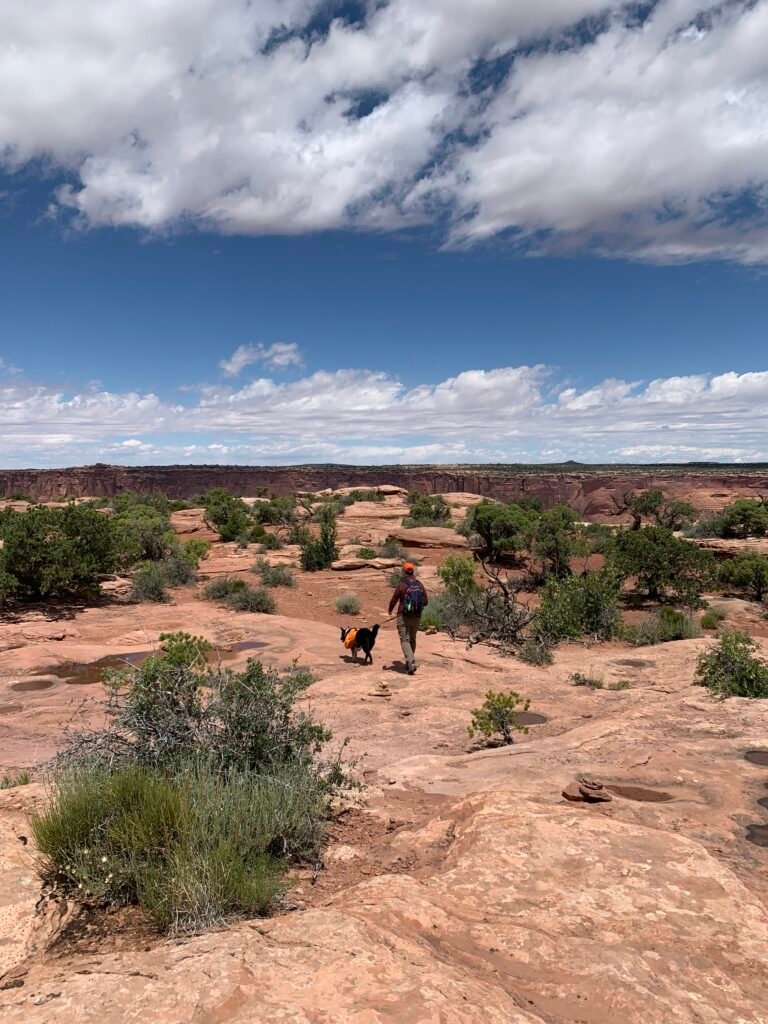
532	913
430	537
349	564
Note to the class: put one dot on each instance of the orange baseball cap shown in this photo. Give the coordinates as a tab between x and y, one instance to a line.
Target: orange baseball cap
408	567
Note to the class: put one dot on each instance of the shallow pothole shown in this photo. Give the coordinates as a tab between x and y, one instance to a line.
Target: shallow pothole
635	662
31	685
10	709
244	645
641	793
87	673
531	718
757	834
757	757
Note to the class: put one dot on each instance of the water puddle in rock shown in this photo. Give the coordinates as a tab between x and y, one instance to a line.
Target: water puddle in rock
757	834
635	663
757	757
243	645
86	674
531	718
10	709
651	796
31	685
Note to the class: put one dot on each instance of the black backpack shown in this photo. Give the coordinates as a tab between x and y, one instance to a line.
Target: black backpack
413	602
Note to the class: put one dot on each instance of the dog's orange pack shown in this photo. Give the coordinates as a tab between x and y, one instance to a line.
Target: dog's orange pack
349	639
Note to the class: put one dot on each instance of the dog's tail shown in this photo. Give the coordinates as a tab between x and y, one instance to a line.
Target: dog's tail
375	630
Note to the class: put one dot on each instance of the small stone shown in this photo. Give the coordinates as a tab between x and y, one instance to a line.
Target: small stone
391	782
573	793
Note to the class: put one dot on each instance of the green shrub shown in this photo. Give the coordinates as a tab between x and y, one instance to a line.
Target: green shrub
662	627
193	794
709	525
427	510
457	573
11	781
149	583
230	516
731	669
621	684
365	494
348	604
431	617
504	529
747	572
55	552
555	539
366	553
274	575
238	596
395	577
579	606
658	510
498	716
392	548
711	619
143	534
593	682
129	500
745	517
299	534
270	543
320	552
195	550
276	511
252	599
180	566
151	579
221	588
664	565
536	651
194	849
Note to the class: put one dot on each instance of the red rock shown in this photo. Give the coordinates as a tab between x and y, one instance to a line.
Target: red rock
573	792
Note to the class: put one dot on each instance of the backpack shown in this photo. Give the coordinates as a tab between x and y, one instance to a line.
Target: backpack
413	602
349	639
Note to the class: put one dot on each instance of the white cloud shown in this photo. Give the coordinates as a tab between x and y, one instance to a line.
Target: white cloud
519	414
275	357
638	137
9	370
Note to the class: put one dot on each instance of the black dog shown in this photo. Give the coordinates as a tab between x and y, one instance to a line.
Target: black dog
364	641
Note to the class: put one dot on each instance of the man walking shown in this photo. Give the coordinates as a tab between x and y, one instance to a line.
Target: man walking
411	599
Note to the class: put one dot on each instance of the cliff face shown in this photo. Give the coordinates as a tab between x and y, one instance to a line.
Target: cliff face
589	492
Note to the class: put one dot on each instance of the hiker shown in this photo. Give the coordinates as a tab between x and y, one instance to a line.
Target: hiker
410	596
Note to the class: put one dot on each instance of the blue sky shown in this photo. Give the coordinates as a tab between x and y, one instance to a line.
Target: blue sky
421	268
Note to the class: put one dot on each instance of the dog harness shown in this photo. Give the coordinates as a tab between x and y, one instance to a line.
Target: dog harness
349	639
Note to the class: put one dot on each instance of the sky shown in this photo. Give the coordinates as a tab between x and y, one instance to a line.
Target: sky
413	231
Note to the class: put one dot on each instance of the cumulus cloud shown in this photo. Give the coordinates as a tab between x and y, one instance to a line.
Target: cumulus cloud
275	357
632	129
508	414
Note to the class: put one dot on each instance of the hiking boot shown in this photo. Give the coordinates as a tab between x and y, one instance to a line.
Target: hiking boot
412	670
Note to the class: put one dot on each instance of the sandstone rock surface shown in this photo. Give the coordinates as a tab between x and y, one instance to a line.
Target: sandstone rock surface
465	888
430	537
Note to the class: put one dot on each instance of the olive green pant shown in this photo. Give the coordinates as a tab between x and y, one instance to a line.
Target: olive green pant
407	630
